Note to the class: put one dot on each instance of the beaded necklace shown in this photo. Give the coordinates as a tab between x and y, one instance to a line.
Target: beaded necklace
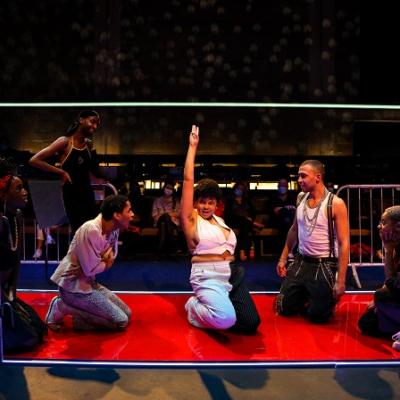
311	222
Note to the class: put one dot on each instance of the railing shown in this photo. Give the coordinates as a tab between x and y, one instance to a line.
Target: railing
61	234
365	204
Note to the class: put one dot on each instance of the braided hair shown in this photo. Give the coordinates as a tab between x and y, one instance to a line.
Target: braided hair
7	171
75	123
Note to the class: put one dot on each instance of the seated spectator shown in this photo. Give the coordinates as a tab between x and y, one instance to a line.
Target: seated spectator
382	317
239	214
165	213
281	209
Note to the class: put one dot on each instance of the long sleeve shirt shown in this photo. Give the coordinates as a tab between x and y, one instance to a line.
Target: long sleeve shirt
77	270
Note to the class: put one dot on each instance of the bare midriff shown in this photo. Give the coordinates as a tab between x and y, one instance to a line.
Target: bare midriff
226	256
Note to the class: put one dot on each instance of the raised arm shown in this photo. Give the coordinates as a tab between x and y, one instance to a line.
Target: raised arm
39	159
186	211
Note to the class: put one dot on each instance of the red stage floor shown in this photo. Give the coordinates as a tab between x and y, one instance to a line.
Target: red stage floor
160	333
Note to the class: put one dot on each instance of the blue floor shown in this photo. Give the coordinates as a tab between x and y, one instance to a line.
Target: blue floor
147	274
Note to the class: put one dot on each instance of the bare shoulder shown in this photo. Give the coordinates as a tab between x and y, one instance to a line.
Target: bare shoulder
60	143
338	202
339	208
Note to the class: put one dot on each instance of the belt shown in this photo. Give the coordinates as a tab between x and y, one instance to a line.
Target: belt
317	260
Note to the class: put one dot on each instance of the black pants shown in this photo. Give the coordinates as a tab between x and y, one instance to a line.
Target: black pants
384	318
167	235
247	317
245	231
308	288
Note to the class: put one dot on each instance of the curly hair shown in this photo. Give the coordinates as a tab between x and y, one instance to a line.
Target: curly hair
207	188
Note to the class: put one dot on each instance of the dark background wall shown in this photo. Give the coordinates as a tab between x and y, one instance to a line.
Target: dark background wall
198	50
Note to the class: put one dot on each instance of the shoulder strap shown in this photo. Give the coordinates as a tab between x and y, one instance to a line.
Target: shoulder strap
300	198
330	226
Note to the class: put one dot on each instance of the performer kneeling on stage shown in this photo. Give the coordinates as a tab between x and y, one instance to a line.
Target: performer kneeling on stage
321	231
221	299
92	250
22	328
382	317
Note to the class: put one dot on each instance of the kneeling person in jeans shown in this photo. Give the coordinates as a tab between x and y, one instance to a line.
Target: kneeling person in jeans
92	250
309	285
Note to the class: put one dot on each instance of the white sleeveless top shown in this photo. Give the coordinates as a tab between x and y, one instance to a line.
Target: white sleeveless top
316	244
212	239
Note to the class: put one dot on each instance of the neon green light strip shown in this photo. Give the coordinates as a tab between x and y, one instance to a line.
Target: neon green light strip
203	104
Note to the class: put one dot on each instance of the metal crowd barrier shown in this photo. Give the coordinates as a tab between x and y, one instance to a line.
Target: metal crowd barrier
365	204
61	234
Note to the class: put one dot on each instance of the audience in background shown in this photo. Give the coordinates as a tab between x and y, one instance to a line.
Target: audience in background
281	209
239	214
165	213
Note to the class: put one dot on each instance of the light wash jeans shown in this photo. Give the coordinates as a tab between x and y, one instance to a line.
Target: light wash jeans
211	307
99	309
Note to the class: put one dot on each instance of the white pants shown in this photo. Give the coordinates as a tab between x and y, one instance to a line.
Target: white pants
211	307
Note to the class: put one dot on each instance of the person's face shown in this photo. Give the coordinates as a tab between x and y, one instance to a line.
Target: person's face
206	207
389	230
308	178
125	217
283	186
16	196
168	190
89	124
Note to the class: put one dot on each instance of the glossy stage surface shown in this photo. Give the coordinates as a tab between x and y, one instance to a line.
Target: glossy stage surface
160	333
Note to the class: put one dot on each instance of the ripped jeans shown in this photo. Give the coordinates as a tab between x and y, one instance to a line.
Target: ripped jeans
308	289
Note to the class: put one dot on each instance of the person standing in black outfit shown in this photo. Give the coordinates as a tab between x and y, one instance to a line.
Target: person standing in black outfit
77	165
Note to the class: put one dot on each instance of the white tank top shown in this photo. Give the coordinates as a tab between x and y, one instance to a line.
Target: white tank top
212	239
315	244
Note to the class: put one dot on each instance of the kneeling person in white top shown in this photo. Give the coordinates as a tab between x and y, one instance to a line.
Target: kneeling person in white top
221	299
93	250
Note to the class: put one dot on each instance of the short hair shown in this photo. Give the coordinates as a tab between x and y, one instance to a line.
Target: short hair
112	204
393	213
317	165
207	188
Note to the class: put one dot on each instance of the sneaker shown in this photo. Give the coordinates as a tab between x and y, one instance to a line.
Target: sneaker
54	316
50	240
396	345
38	253
396	336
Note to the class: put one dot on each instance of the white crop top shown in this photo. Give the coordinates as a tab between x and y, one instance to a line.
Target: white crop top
212	239
316	244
